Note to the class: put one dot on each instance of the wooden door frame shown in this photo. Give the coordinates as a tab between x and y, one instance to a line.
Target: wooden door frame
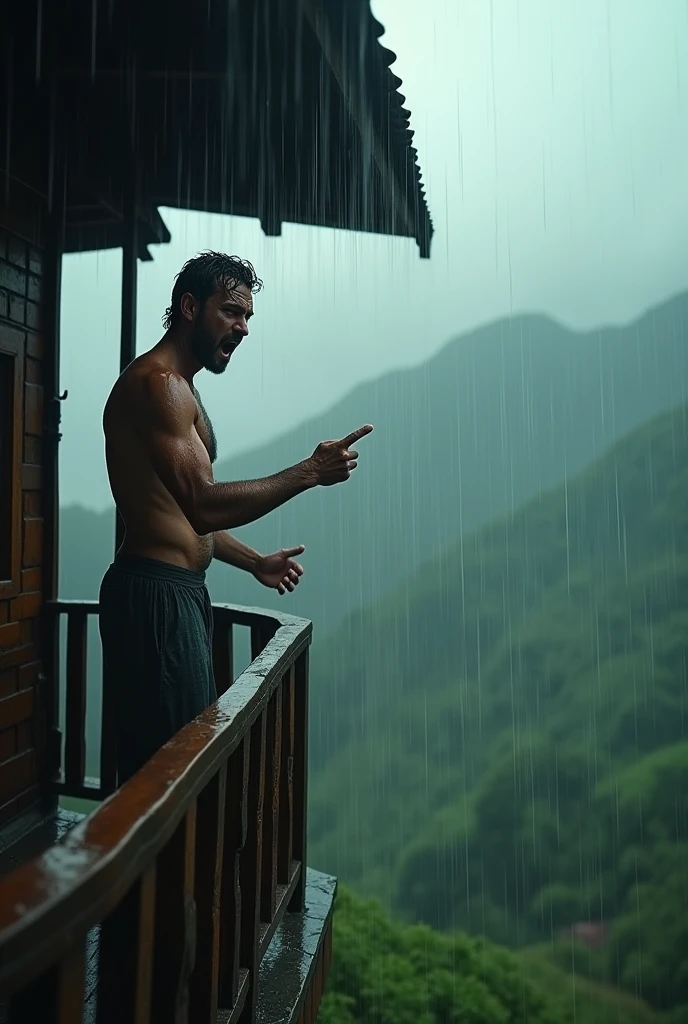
12	344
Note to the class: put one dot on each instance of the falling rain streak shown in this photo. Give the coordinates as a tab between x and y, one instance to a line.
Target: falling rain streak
471	221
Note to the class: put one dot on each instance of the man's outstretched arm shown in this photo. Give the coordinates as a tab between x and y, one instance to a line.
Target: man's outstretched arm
232	551
165	418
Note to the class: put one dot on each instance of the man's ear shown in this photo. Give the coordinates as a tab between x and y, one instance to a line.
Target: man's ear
188	306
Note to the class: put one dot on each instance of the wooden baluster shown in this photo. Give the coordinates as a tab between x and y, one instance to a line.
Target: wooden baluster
75	718
223	654
300	776
210	828
71	989
251	860
236	823
286	817
273	747
108	741
256	641
51	740
327	950
56	997
317	986
261	635
312	998
174	945
125	957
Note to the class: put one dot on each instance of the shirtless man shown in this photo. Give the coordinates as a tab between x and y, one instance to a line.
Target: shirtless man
155	611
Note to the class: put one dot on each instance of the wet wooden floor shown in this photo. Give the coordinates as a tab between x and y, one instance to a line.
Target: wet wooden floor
293	968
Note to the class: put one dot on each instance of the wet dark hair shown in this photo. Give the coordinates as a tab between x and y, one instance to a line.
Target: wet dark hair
203	274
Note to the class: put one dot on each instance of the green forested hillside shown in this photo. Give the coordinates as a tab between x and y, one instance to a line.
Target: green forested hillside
386	973
502	745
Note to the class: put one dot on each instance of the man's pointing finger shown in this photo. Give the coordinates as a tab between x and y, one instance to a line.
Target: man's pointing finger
355	436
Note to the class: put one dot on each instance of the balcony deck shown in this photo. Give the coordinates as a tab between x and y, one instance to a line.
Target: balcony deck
293	969
31	834
185	895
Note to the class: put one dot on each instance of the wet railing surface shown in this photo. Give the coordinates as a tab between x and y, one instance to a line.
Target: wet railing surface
172	889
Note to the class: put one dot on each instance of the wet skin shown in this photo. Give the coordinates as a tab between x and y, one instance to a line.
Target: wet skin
156	527
160	446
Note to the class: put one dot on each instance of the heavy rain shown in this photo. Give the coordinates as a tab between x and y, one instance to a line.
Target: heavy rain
498	692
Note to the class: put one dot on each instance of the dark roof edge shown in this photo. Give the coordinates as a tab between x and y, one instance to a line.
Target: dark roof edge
348	34
401	127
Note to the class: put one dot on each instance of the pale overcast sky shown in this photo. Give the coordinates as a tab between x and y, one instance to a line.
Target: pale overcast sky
553	140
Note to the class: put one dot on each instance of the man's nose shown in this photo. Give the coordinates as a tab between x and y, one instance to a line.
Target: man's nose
242	327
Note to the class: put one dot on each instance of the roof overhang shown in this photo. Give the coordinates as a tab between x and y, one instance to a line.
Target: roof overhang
284	110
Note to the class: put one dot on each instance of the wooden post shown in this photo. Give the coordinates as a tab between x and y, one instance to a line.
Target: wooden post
130	247
130	251
53	284
50	741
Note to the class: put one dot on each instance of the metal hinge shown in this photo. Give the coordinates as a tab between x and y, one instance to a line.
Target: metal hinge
54	416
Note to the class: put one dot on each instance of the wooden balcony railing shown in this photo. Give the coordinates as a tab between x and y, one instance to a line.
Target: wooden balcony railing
170	892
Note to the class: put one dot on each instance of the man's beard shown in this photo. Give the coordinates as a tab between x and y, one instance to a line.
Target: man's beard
206	350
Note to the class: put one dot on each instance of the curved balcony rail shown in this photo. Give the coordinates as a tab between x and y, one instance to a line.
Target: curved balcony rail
168	895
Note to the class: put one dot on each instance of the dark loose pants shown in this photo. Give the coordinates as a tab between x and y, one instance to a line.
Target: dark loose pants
156	627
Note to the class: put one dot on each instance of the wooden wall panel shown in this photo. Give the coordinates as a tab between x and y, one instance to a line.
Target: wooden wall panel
21	293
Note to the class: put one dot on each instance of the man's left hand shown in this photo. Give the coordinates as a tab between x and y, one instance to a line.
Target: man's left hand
279	571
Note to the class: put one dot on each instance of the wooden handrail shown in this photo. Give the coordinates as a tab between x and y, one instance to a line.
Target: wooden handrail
73	780
152	824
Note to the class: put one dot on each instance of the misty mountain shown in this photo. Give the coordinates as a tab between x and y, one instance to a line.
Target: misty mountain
498	416
511	722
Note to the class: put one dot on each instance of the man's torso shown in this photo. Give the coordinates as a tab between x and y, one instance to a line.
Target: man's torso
156	527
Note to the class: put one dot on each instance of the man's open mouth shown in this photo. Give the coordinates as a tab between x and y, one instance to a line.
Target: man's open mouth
227	347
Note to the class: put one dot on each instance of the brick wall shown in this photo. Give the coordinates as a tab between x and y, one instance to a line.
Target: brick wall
21	292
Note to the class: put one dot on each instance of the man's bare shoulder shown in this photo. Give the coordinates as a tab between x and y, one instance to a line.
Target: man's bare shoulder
152	395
